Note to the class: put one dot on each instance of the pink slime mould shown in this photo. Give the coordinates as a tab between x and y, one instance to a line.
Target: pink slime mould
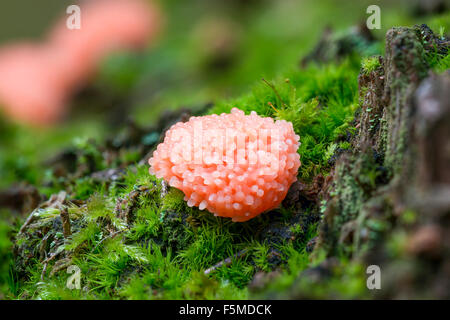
106	26
37	79
30	90
234	165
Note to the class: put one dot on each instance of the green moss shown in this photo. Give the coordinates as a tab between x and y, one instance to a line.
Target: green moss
440	63
174	200
209	246
239	273
163	247
260	253
83	188
370	64
435	53
146	225
297	262
347	280
409	217
440	23
319	101
406	60
7	281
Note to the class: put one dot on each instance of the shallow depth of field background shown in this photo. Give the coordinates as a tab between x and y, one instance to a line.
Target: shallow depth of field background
207	50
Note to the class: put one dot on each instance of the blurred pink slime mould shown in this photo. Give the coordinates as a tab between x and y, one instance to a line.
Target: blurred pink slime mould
106	26
234	165
37	79
30	90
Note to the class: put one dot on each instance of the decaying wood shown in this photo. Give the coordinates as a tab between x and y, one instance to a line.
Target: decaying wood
55	201
404	130
125	206
64	214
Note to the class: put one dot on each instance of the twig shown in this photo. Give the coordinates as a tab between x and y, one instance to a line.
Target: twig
27	222
46	262
164	188
64	214
226	262
271	105
112	235
283	104
53	202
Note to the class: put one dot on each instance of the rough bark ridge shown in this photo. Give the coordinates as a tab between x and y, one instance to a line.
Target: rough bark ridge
392	193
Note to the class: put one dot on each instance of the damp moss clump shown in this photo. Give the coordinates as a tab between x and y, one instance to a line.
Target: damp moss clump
370	64
131	236
136	237
320	101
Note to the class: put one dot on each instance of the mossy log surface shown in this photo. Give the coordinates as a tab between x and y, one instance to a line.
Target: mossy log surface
390	200
384	200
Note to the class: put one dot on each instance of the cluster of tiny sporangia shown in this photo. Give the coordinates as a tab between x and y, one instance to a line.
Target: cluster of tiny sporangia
234	165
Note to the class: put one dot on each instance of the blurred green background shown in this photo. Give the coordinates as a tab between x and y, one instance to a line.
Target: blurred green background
208	50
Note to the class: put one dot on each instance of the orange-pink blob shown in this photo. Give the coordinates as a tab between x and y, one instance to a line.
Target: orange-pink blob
36	80
30	90
106	26
234	165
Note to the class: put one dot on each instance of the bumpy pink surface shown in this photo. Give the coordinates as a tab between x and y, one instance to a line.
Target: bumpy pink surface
234	165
